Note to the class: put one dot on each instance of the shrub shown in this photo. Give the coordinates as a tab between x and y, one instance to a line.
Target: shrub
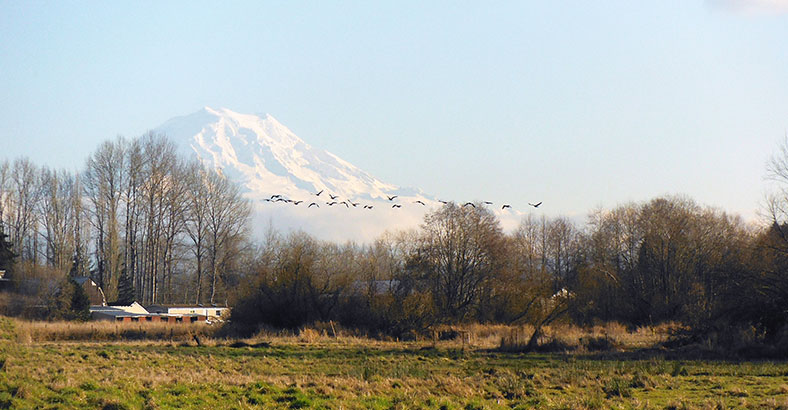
598	344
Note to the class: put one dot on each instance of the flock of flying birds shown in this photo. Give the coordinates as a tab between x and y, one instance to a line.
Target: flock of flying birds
349	203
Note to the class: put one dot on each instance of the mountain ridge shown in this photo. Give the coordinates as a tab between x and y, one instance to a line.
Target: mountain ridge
267	157
268	160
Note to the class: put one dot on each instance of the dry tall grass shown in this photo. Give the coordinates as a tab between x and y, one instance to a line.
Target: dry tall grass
27	331
611	336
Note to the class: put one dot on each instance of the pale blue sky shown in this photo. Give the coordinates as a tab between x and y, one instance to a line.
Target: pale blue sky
579	104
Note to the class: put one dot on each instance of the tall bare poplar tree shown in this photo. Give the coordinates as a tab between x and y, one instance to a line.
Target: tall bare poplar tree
25	193
132	202
103	181
227	217
175	218
59	217
81	230
160	158
5	176
195	218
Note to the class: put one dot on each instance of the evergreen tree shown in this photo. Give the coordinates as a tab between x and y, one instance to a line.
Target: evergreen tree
68	302
7	254
77	267
80	302
126	294
73	272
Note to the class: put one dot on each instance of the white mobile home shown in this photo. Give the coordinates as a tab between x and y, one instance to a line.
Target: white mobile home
211	312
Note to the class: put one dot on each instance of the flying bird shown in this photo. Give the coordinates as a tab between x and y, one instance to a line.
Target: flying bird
297	202
488	203
355	204
333	196
443	202
536	205
367	206
506	206
318	194
313	203
344	203
276	196
330	203
469	203
391	198
396	206
419	202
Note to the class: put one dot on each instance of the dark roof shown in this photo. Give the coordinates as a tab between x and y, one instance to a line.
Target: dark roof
81	280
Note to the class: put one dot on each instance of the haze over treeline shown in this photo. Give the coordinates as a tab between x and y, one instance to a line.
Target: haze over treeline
150	226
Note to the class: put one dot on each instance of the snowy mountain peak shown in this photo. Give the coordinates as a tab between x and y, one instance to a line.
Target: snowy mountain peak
267	158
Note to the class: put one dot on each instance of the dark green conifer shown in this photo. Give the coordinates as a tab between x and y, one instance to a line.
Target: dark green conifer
7	254
125	289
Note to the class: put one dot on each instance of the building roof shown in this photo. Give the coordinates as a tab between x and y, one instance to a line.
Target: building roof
187	309
82	279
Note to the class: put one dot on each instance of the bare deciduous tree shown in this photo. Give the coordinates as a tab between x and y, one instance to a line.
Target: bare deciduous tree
25	193
5	176
103	184
59	217
227	217
459	252
195	218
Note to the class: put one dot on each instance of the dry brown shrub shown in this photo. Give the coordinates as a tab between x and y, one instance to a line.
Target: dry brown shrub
614	329
308	335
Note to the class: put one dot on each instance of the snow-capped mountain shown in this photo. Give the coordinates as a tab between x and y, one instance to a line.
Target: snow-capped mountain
267	159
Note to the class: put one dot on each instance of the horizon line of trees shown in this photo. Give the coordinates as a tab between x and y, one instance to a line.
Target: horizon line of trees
664	260
147	225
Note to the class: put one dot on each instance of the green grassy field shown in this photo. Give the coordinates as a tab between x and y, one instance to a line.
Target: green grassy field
352	373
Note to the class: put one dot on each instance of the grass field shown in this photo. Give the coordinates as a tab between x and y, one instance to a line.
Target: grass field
311	370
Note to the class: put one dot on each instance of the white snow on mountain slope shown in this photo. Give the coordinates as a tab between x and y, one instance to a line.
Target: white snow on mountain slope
268	159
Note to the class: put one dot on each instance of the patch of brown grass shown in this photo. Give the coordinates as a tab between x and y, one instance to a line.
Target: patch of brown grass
571	338
309	335
34	331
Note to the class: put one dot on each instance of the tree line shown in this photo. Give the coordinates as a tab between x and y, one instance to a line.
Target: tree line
141	221
664	260
147	225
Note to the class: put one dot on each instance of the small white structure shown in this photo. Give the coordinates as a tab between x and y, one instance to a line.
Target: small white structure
211	312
